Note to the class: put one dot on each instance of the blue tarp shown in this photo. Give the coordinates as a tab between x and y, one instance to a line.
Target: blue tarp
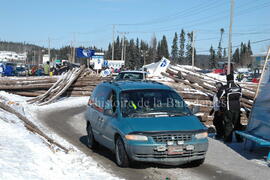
259	123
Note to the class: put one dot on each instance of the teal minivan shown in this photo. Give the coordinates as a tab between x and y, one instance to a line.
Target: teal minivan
144	121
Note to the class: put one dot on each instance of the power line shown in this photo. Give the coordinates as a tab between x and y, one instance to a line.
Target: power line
253	42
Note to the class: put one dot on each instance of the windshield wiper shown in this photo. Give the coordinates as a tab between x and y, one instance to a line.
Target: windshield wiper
178	113
135	114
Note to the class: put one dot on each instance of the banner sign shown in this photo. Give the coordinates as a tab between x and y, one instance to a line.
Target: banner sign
84	53
98	61
162	66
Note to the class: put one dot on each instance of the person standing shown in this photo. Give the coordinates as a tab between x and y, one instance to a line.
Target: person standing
230	96
218	120
47	68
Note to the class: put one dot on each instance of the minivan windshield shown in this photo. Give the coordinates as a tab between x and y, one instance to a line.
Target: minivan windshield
152	103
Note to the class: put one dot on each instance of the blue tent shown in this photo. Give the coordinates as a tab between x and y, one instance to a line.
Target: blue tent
259	122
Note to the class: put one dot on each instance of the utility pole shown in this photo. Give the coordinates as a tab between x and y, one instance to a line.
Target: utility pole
34	60
74	44
71	52
123	44
113	41
230	39
193	49
49	49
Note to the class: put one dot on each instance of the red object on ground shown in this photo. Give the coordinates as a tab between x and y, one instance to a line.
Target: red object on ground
255	80
218	71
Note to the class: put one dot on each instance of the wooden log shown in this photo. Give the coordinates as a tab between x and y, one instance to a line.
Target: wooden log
29	125
207	89
30	86
194	86
69	83
207	77
43	96
207	86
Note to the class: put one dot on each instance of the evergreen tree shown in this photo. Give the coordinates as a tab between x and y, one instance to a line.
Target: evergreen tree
153	49
138	56
117	49
108	54
236	56
174	52
189	48
144	53
245	54
224	53
182	47
159	53
164	47
212	58
249	49
131	55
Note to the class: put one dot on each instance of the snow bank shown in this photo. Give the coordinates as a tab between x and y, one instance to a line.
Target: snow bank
24	155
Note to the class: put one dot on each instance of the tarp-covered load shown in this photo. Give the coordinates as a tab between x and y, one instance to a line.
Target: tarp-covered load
259	123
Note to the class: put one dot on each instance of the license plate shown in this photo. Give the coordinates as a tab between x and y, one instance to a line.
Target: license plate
175	150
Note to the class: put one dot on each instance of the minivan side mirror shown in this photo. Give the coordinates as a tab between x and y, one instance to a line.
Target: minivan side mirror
195	109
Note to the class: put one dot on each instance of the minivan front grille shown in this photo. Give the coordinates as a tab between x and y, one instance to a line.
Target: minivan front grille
171	137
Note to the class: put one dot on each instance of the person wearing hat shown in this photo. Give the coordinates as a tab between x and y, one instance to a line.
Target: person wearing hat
218	120
230	96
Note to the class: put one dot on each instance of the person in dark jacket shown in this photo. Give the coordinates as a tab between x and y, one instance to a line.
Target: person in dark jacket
230	96
218	120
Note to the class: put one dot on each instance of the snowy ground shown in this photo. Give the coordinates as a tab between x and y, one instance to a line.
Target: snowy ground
24	155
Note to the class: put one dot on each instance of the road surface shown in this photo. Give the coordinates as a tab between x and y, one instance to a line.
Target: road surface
222	161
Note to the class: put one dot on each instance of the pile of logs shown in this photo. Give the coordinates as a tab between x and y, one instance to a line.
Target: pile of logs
203	88
77	82
196	88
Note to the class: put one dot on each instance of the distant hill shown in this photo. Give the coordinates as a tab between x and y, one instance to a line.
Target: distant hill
18	47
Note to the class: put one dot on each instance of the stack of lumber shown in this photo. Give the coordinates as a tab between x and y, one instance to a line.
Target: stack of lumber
34	86
202	88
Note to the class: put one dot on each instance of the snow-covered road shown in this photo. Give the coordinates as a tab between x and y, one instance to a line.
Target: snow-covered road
65	118
222	161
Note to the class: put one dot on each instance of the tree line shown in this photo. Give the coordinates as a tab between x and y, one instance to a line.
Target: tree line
138	52
241	56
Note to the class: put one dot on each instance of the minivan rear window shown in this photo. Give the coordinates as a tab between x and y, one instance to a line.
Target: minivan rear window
100	95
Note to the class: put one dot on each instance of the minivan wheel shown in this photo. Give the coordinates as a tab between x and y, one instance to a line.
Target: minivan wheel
91	142
120	153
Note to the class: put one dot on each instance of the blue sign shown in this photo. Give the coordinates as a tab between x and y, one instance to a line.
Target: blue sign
84	53
163	63
105	63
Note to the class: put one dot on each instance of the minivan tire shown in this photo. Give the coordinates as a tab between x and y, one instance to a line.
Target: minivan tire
121	156
91	142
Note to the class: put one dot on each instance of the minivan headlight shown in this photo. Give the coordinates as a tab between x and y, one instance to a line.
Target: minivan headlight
201	135
136	137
